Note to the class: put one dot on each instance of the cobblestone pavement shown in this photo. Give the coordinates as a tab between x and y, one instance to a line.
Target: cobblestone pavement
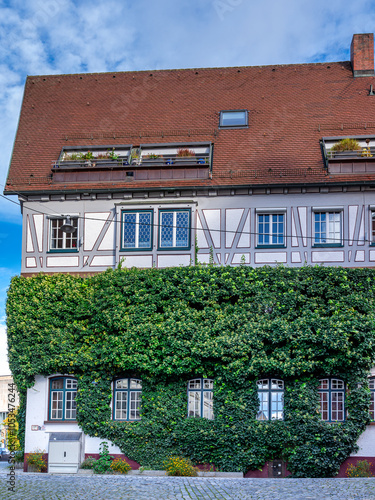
68	487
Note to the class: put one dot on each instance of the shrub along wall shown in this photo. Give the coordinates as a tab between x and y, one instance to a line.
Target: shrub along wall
234	325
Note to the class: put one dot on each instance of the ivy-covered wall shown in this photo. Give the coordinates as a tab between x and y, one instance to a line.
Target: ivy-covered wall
234	325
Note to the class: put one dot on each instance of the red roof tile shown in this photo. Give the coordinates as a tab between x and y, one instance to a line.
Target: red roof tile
290	109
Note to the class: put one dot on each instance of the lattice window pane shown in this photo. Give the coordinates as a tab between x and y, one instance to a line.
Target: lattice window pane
166	230
263	406
135	405
208	405
337	405
144	230
122	384
277	405
263	384
195	384
324	384
337	384
57	405
129	229
70	405
121	405
372	406
277	384
323	401
194	404
208	384
135	383
182	229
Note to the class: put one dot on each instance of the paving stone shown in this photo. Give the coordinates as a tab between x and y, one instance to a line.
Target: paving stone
72	487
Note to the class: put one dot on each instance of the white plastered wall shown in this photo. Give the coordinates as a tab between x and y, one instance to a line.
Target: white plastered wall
37	414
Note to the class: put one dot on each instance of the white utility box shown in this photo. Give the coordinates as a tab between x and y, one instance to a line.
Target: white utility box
64	452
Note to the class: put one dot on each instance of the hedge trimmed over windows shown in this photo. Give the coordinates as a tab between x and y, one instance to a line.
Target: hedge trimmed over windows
232	324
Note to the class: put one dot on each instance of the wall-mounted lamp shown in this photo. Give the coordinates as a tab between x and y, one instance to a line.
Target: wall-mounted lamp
68	227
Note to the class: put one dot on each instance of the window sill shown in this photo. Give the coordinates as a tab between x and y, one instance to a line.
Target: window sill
269	246
149	249
174	249
328	245
64	250
60	422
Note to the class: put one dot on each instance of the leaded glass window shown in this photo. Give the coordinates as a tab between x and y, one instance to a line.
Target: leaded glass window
137	230
174	232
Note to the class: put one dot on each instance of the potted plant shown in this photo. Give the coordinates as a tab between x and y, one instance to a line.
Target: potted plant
152	159
345	148
36	462
184	155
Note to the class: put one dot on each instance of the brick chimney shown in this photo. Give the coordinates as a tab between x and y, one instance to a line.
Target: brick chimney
362	54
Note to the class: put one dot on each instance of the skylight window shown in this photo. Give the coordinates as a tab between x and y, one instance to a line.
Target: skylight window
233	118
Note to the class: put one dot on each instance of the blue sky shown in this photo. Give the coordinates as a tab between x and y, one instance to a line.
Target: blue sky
61	36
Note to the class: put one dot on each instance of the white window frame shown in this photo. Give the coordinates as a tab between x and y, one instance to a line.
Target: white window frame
137	214
59	395
65	236
330	234
271	405
331	393
174	246
132	389
271	234
371	384
200	398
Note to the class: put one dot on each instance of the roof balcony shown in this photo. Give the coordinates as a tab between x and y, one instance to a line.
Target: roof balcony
127	163
349	155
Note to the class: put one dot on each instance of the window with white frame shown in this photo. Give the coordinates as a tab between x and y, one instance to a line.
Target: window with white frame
127	399
200	398
327	228
271	229
137	228
371	384
174	229
60	240
234	118
62	392
332	399
271	399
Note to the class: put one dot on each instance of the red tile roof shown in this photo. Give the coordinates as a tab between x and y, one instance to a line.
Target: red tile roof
291	107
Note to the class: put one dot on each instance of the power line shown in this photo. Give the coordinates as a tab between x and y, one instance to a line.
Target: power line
225	231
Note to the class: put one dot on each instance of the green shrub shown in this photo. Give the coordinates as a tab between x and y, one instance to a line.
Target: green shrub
362	469
120	465
88	463
37	461
103	464
19	457
179	466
